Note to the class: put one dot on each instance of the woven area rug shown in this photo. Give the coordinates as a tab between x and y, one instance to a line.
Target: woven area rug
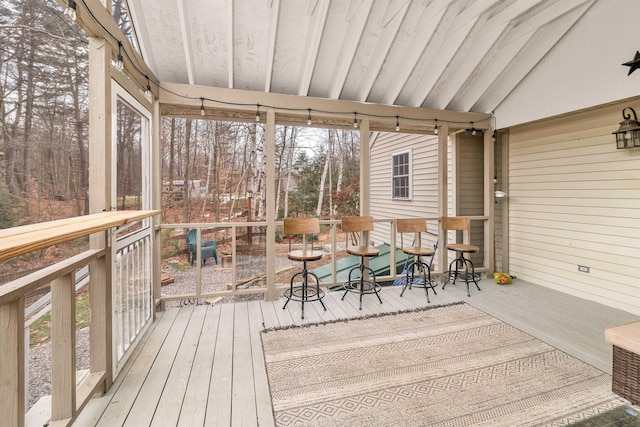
444	366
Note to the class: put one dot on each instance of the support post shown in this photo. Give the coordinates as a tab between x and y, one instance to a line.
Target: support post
100	149
443	192
489	201
12	369
63	348
272	292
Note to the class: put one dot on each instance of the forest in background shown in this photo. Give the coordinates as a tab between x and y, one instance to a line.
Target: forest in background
44	140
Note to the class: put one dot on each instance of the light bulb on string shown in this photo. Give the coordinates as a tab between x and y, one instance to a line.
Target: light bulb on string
309	117
147	90
435	129
257	112
473	129
70	10
202	112
355	120
119	59
397	123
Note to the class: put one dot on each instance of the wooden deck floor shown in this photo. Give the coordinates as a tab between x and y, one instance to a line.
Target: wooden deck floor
203	365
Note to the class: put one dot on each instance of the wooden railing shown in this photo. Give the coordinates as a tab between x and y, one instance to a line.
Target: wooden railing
67	396
235	233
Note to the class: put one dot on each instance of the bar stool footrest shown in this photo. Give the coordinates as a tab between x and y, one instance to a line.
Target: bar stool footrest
297	293
368	286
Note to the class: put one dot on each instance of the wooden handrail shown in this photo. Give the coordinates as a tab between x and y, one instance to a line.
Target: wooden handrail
20	287
30	238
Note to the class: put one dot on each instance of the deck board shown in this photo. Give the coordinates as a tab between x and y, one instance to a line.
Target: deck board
148	397
206	362
264	412
134	374
173	394
193	410
243	403
218	411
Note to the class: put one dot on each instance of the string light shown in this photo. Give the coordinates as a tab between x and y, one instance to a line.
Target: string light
473	129
355	120
70	10
119	61
257	112
435	129
147	90
71	4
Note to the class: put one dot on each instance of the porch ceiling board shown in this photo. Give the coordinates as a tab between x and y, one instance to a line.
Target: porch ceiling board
466	55
534	50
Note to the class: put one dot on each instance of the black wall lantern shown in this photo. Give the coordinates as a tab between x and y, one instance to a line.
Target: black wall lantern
628	134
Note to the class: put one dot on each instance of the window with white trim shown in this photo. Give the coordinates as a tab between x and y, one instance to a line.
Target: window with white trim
401	175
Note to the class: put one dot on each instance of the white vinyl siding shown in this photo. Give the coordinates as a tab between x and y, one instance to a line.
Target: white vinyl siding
424	202
574	199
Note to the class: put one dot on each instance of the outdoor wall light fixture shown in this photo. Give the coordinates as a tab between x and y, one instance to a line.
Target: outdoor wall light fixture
628	134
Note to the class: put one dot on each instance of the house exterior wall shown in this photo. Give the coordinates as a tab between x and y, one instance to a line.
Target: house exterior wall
574	201
424	198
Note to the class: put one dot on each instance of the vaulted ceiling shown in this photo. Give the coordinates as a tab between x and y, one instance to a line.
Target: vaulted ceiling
461	55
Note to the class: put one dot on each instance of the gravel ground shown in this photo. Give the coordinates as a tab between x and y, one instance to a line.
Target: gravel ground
40	365
215	278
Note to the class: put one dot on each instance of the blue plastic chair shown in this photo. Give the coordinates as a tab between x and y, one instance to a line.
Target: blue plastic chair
209	248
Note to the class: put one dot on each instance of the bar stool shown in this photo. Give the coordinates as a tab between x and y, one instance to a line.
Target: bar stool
360	224
460	223
418	272
302	292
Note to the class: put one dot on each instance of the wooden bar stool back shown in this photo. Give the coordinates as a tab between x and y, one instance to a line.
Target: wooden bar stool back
362	278
460	223
301	291
417	272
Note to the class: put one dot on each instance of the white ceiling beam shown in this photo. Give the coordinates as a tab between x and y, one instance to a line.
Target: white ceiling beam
462	68
186	41
496	58
396	10
142	33
358	19
230	41
468	60
524	61
432	15
445	47
320	11
538	17
274	5
487	72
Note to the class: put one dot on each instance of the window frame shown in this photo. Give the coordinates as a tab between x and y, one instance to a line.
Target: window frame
395	187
